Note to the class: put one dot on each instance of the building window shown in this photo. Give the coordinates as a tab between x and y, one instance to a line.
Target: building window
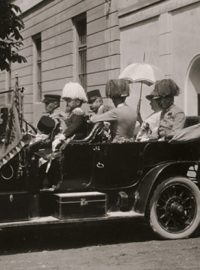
80	23
37	68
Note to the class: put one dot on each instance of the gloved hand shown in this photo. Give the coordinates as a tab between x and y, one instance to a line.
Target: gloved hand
59	139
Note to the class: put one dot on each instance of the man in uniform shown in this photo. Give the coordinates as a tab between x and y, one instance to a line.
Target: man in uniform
95	101
52	109
74	96
97	107
49	125
122	117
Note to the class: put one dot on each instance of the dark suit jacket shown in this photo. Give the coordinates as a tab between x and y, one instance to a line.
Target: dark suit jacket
76	124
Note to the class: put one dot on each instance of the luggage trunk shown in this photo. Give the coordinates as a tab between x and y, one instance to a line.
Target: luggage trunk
14	206
80	204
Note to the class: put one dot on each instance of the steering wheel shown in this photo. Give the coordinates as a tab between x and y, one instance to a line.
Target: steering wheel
28	125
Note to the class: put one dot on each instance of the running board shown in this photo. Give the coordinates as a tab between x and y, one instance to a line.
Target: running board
50	220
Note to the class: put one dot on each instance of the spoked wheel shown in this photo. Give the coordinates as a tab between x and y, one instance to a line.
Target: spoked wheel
175	208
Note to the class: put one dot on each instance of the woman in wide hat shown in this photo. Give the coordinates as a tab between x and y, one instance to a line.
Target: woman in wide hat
172	118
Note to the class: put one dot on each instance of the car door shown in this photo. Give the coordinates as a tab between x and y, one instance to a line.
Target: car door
116	165
77	166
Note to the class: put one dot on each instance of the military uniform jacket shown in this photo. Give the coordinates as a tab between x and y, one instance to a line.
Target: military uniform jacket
61	117
122	118
76	124
171	120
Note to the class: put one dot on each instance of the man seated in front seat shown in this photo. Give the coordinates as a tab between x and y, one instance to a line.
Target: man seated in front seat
52	109
122	117
74	95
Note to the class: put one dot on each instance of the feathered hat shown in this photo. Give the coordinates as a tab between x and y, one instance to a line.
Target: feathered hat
163	88
117	88
74	90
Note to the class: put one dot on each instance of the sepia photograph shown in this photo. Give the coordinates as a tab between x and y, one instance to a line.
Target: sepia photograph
99	134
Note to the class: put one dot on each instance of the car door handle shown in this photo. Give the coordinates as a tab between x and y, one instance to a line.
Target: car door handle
100	165
96	148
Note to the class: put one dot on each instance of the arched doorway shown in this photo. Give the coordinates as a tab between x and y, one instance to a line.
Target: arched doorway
192	90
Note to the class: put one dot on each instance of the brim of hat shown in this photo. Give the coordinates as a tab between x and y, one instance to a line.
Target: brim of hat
45	100
48	100
91	100
149	97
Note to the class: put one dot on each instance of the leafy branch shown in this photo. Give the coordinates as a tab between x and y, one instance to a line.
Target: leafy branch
10	38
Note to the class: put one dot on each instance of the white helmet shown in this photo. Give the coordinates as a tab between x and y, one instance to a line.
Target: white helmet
74	90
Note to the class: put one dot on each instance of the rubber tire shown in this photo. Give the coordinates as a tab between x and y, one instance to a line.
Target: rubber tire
153	220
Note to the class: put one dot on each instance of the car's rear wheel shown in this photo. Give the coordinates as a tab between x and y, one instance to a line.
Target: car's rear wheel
174	209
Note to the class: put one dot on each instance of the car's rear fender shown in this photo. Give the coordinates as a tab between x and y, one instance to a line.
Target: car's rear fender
153	177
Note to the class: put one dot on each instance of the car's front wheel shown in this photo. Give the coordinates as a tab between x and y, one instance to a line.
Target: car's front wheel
174	209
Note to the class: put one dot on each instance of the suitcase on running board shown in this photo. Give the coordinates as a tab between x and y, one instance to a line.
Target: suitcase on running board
14	206
80	204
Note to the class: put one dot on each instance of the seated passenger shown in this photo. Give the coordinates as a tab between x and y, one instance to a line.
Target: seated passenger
172	117
47	128
74	95
168	118
122	117
52	109
95	101
149	128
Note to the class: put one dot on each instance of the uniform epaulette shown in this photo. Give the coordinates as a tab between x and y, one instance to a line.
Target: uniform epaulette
78	111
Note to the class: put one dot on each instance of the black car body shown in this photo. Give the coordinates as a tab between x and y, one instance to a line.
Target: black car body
102	181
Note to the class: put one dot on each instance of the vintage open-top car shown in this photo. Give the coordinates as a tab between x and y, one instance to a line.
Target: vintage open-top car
103	181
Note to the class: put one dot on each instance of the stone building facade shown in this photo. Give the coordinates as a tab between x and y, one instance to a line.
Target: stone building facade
64	40
168	33
91	41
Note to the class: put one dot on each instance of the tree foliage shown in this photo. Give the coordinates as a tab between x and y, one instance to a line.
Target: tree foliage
10	37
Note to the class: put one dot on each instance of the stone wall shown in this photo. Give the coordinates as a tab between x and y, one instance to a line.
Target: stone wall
168	33
53	19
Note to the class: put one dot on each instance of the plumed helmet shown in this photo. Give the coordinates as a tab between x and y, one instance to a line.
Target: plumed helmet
163	88
74	90
117	88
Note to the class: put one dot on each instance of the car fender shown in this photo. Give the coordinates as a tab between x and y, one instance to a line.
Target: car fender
164	170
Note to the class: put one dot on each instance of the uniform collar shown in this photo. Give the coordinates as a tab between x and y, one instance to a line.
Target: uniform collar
168	109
